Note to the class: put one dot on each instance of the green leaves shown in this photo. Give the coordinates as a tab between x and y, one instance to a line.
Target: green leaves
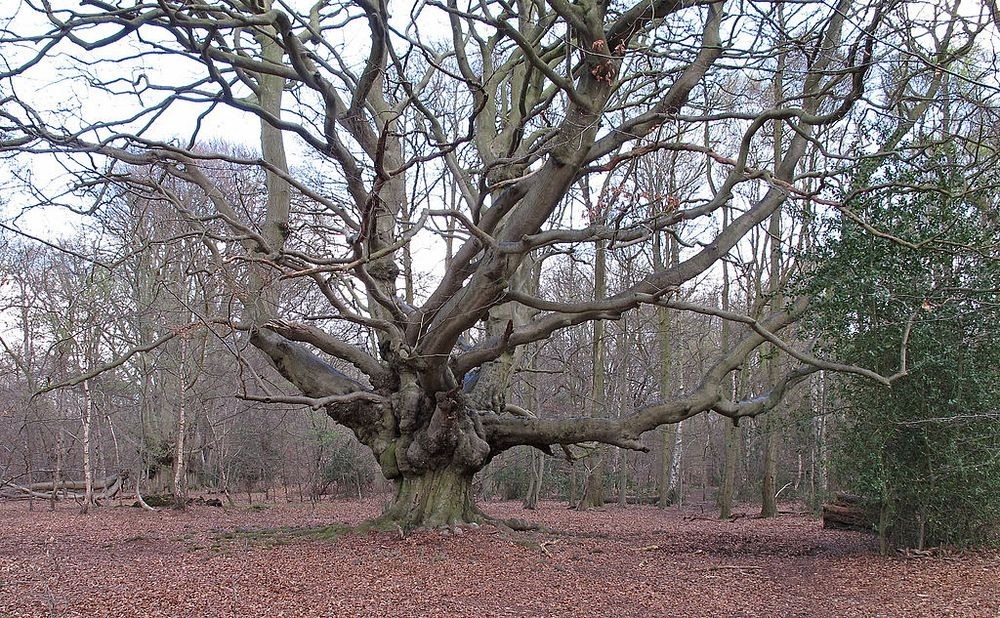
918	251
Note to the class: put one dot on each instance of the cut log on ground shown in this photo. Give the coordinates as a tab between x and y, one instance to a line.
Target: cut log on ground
850	512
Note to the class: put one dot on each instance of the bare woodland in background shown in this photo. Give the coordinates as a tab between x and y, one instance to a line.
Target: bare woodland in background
511	249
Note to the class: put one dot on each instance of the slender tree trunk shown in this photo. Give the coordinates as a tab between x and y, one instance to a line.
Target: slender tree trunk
88	485
275	229
593	491
667	439
573	481
672	435
674	478
56	474
98	442
820	475
727	488
178	480
536	471
408	274
768	487
668	433
706	452
623	479
769	506
29	469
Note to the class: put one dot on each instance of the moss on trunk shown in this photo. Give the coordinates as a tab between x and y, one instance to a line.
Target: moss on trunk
434	499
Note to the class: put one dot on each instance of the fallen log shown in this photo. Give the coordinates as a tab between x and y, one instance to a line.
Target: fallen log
74	485
167	500
850	512
103	489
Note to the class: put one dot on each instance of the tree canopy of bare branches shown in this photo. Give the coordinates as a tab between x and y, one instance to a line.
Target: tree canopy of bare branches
419	162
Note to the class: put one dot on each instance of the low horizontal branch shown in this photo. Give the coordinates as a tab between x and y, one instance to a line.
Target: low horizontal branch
503	432
317	403
312	375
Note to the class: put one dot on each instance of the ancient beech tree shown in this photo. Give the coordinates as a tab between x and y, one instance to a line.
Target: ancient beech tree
464	131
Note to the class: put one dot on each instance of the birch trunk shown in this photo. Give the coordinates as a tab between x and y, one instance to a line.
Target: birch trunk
178	480
88	484
674	479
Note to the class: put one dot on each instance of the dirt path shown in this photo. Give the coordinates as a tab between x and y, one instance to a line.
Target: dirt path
638	561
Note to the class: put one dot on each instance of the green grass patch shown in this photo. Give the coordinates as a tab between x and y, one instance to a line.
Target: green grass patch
285	535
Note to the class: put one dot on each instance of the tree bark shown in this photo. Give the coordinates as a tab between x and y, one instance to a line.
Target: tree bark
622	478
667	432
676	455
178	477
671	435
768	487
573	484
593	490
820	472
769	504
536	465
434	499
667	439
58	470
727	487
107	487
88	475
849	512
48	486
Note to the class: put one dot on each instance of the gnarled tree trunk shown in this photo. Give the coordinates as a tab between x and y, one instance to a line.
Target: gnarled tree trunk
436	498
435	452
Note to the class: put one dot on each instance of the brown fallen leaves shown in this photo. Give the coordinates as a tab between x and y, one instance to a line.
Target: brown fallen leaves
636	561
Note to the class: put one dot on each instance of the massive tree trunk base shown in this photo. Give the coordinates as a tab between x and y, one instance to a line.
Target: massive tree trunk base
436	499
439	499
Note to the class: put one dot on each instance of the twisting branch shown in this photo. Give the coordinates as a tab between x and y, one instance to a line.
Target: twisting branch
119	361
506	431
318	403
306	333
310	374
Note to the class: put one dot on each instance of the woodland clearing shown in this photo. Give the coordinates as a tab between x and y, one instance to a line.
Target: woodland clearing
271	560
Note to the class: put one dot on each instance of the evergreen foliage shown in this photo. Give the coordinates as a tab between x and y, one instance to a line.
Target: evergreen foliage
928	449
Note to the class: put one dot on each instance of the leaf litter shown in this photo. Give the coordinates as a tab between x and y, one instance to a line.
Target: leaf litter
303	559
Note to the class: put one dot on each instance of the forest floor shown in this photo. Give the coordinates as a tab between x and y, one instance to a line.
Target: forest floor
267	560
